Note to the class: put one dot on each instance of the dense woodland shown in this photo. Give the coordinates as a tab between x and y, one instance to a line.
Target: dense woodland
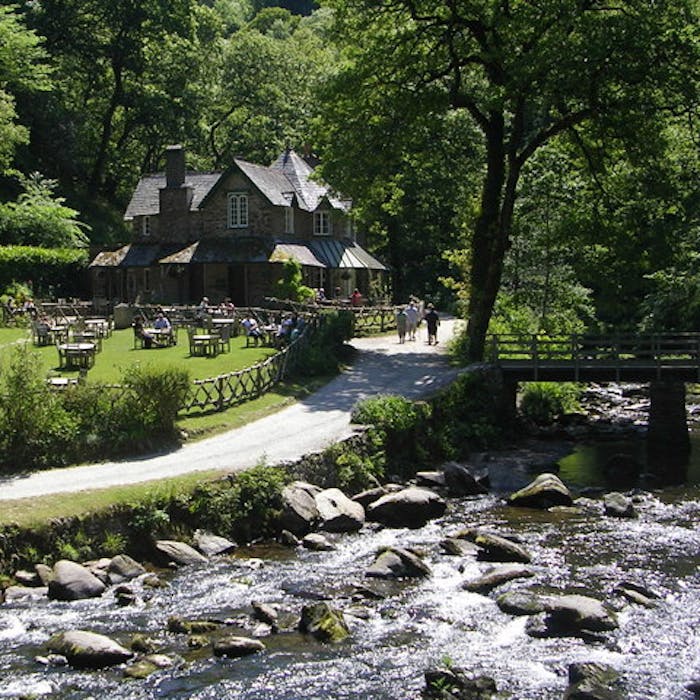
537	162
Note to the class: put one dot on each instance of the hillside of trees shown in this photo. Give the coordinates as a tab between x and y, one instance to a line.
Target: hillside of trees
537	163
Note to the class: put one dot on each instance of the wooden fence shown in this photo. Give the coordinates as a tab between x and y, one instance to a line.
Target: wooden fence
219	393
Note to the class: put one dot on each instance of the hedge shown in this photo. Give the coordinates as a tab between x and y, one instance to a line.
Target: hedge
53	271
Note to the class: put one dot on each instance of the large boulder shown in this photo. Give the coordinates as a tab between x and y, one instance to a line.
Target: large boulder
412	507
179	552
71	581
364	498
324	622
572	616
593	681
460	481
299	510
395	562
338	513
520	603
455	684
545	491
88	650
317	542
123	568
496	576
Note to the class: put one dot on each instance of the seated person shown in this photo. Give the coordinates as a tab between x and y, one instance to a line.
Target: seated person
284	331
141	332
162	323
228	308
252	329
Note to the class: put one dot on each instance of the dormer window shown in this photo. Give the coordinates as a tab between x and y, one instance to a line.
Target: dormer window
237	210
146	226
289	220
322	223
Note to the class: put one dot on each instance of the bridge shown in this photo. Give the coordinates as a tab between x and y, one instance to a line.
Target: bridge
666	361
672	357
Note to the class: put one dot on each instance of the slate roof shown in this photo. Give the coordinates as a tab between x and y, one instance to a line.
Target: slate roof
220	250
145	201
289	176
300	251
133	255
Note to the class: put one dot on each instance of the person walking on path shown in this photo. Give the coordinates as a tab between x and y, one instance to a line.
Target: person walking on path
413	316
401	324
432	320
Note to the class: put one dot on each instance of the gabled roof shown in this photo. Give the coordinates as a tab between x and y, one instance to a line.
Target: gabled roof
133	255
288	177
146	198
337	254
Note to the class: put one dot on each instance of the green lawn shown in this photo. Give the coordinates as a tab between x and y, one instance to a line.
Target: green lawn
118	354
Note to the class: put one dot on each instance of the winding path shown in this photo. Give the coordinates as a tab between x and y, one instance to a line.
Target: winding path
414	369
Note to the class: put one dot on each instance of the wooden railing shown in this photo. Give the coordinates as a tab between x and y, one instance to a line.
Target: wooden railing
219	393
645	355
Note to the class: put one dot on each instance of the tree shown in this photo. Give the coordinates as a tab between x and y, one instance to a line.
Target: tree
22	69
524	74
39	218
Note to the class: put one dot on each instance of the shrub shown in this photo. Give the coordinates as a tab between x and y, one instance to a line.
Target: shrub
326	347
155	395
543	402
35	429
245	508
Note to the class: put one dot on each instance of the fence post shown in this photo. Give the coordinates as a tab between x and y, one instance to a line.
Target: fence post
220	393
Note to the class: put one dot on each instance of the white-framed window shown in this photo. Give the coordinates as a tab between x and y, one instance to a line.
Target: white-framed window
322	223
146	226
289	220
237	210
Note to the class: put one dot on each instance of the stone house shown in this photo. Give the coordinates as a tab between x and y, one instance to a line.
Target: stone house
226	234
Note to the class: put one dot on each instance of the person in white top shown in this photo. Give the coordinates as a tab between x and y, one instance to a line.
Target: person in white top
412	318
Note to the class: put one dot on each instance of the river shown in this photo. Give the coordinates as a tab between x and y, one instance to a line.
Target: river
409	626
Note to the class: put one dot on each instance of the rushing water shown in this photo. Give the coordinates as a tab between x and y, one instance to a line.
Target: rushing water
412	625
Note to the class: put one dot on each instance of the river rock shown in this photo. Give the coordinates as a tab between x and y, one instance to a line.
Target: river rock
395	562
618	505
694	688
520	603
496	576
592	681
432	479
179	552
88	650
288	539
71	581
455	684
265	613
148	666
14	593
571	615
460	481
233	646
123	568
338	513
412	507
179	626
210	545
44	572
459	547
299	510
364	498
27	578
125	596
545	491
496	548
317	542
324	622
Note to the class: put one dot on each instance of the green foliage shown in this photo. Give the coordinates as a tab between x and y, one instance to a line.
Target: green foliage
149	518
55	271
291	285
544	402
40	218
246	508
352	470
35	429
156	394
113	543
326	348
404	427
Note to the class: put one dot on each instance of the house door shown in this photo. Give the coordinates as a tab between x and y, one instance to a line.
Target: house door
237	284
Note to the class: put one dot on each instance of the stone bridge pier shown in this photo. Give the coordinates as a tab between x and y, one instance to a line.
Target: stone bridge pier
667	432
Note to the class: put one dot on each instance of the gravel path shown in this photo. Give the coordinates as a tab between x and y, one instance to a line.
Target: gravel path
414	369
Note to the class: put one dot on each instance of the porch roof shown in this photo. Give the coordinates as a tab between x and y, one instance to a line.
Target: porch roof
340	254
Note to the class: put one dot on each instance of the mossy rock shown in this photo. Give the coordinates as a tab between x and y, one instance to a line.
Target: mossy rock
325	623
